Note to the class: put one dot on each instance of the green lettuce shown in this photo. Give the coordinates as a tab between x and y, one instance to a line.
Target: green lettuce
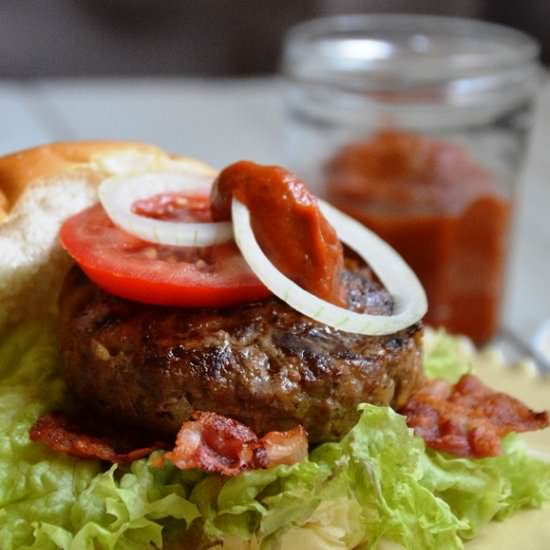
482	490
50	501
378	483
445	356
384	469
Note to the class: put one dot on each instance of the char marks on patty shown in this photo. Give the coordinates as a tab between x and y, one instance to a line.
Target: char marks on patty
262	363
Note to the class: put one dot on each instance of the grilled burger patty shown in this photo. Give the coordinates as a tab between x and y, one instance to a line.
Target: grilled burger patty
262	363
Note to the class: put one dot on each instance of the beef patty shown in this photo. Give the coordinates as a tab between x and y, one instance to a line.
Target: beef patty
262	363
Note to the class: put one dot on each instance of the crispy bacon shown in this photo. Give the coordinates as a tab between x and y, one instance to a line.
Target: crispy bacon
80	437
281	448
468	419
215	443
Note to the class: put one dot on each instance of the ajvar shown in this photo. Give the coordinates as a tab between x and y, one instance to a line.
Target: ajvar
441	211
287	222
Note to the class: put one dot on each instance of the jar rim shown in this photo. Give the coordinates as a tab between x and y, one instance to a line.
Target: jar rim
389	51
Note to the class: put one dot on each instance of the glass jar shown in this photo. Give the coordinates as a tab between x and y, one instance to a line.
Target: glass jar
417	125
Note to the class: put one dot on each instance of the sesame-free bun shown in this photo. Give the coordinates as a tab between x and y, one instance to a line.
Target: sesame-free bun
39	189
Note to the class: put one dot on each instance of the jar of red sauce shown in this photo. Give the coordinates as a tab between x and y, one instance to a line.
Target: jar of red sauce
417	126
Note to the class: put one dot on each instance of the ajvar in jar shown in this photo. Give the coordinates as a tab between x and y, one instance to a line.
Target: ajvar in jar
441	211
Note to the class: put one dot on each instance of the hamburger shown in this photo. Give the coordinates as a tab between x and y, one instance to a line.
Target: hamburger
156	394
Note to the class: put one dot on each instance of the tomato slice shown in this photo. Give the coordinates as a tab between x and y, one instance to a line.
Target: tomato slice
129	267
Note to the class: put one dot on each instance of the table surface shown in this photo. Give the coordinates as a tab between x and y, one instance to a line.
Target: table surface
219	121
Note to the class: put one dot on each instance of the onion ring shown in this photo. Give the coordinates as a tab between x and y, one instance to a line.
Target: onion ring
118	194
410	303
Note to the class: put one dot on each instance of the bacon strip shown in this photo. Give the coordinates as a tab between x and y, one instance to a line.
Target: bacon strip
214	443
79	437
468	419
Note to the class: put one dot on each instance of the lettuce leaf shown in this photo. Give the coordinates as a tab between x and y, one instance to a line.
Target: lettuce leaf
479	491
261	502
50	501
445	356
384	466
378	483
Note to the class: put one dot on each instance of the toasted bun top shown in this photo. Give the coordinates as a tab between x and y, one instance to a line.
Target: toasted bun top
23	169
39	189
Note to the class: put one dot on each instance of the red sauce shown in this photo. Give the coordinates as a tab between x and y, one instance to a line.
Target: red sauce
441	211
287	223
